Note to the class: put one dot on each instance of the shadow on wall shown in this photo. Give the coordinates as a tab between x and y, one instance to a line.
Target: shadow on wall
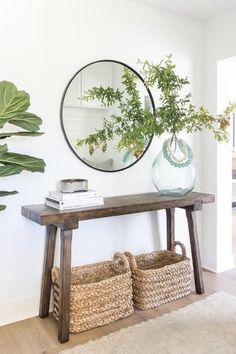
155	230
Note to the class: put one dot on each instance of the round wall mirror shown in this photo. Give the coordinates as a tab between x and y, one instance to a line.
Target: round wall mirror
102	111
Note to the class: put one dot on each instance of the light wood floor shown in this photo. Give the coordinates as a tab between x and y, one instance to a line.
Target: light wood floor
37	335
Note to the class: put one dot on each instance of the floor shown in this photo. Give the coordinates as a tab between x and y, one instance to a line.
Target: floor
35	335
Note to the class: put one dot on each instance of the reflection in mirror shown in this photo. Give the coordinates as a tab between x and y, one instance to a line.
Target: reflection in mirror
102	113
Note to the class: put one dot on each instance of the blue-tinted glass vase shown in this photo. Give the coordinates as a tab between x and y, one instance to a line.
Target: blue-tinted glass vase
173	170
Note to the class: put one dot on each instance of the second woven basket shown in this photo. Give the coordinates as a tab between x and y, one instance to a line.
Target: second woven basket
159	277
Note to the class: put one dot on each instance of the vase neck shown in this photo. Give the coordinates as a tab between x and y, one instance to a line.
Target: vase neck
174	142
177	152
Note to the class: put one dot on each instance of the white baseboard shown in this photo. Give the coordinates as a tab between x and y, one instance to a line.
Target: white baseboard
212	265
19	309
208	263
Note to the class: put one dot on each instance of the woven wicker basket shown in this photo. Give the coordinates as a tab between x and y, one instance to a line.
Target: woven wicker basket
159	277
100	293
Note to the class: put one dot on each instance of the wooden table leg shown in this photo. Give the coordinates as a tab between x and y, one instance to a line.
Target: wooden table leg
65	281
170	223
192	226
50	242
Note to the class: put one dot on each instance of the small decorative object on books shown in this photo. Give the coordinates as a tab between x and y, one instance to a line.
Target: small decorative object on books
66	201
159	277
73	185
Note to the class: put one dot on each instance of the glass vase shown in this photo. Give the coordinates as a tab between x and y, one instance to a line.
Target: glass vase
173	171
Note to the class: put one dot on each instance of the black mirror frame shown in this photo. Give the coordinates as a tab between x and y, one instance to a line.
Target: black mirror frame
61	112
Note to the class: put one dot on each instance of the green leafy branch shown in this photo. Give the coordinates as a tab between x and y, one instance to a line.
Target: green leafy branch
175	112
108	96
129	125
135	125
13	110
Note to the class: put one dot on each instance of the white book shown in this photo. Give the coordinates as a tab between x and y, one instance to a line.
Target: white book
65	205
73	196
75	202
56	206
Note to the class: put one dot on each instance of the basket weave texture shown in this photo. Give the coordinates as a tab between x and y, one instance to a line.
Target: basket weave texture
100	293
159	277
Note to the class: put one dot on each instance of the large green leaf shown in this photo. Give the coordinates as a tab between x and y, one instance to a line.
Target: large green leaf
26	162
3	149
27	121
12	102
5	193
7	135
9	170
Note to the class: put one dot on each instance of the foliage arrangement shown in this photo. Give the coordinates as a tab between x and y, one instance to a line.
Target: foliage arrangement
135	125
13	110
175	112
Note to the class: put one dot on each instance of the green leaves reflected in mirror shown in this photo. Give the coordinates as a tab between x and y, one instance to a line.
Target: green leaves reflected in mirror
104	112
127	123
13	111
108	116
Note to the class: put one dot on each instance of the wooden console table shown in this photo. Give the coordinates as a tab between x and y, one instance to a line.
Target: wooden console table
67	221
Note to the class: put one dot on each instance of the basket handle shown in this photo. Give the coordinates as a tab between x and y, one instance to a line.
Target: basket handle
183	248
120	263
132	260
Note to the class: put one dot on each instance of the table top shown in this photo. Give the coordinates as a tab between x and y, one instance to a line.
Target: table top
113	206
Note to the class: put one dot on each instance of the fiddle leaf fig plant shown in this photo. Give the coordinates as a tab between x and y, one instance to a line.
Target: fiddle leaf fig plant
13	111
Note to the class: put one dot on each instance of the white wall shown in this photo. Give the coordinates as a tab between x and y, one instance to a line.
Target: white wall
226	72
44	44
219	43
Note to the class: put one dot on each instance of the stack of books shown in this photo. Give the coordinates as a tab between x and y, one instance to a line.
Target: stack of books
65	201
